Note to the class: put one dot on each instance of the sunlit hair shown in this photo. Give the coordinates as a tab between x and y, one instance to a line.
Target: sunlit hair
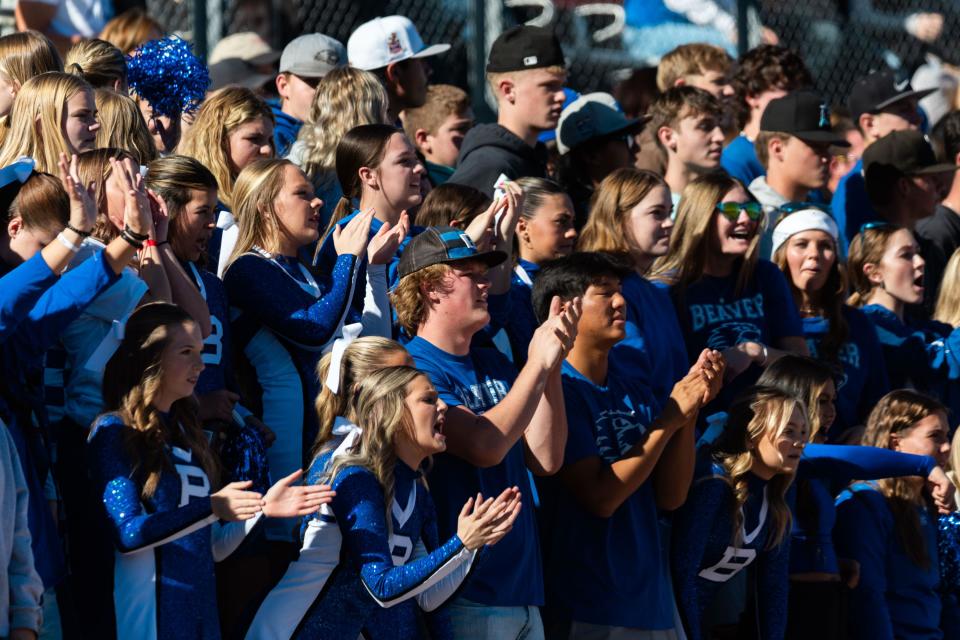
760	412
41	204
443	101
174	178
363	146
208	139
380	410
896	414
867	247
830	298
255	195
131	29
99	63
694	235
361	359
35	125
346	98
948	298
451	205
94	166
689	60
122	126
26	54
132	382
607	228
802	377
955	459
409	297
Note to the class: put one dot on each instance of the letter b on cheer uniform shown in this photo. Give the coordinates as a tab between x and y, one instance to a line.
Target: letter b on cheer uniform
730	564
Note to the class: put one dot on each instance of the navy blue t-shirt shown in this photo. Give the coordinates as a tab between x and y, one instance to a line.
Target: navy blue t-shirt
511	573
606	571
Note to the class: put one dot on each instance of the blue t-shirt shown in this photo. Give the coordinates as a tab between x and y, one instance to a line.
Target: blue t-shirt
895	597
606	571
850	205
864	376
511	573
653	349
739	159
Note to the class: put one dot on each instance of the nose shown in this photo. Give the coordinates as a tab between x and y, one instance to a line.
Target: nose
316	203
419	168
726	90
95	126
667	223
744	217
571	233
618	301
441	406
717	134
266	151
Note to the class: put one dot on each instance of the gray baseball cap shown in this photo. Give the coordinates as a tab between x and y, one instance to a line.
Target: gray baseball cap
313	56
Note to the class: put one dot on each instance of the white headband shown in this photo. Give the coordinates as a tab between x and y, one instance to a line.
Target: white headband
804	220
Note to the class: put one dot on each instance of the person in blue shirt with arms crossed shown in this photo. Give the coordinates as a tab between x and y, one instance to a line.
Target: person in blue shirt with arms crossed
605	576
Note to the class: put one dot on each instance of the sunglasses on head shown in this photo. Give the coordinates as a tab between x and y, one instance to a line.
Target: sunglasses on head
876	224
788	208
731	210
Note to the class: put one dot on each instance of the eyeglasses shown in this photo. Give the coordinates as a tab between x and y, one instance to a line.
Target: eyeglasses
731	210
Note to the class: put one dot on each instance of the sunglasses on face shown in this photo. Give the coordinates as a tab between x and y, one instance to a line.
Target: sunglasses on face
731	210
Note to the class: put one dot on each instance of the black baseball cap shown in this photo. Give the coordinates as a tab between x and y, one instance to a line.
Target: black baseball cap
903	153
878	91
525	47
443	245
802	114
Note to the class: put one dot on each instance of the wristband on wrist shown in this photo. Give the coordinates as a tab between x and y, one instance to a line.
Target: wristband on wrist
150	243
82	234
69	245
132	241
133	234
766	355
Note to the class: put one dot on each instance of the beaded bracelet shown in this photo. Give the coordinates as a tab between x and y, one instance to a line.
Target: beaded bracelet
82	234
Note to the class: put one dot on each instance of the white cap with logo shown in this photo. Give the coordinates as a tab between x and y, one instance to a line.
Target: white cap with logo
383	41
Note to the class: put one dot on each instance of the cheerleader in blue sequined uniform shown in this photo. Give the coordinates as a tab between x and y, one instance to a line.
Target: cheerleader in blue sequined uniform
890	528
886	275
737	513
283	319
358	554
150	462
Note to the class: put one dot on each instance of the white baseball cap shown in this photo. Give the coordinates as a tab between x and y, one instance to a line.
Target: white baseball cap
383	41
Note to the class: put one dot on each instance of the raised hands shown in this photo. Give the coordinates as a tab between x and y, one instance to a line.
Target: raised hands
554	339
354	236
137	212
699	386
485	522
384	244
481	229
287	500
83	205
234	502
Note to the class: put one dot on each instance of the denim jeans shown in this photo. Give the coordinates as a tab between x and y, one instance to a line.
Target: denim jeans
479	621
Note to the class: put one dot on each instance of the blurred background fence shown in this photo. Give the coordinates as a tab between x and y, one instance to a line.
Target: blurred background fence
607	41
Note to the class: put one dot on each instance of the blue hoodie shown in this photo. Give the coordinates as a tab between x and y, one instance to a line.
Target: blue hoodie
285	129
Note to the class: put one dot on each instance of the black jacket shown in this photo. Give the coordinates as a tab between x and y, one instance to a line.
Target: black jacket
489	150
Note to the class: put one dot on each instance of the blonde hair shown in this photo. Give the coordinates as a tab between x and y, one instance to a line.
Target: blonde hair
607	227
132	382
948	298
131	29
688	60
443	101
898	412
27	54
758	413
361	359
99	63
346	98
122	126
256	191
208	139
381	413
45	97
694	237
955	459
409	299
867	247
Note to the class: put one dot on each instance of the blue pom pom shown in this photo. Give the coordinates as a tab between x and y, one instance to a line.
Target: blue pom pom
166	74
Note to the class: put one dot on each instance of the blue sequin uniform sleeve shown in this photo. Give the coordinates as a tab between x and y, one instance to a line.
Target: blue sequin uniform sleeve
133	527
360	510
264	290
844	463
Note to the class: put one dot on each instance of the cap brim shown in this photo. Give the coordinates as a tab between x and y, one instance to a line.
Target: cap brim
269	57
253	81
943	167
922	93
432	50
821	136
490	258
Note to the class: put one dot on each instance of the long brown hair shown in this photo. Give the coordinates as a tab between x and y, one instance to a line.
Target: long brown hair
867	247
831	299
693	236
363	146
132	382
895	413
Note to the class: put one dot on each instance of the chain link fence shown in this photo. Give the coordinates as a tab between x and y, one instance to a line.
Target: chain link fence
607	41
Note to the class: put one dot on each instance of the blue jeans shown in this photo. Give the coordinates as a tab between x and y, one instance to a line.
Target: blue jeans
479	621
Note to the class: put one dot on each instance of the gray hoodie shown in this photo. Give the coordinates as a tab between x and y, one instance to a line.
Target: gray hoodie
771	201
20	584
